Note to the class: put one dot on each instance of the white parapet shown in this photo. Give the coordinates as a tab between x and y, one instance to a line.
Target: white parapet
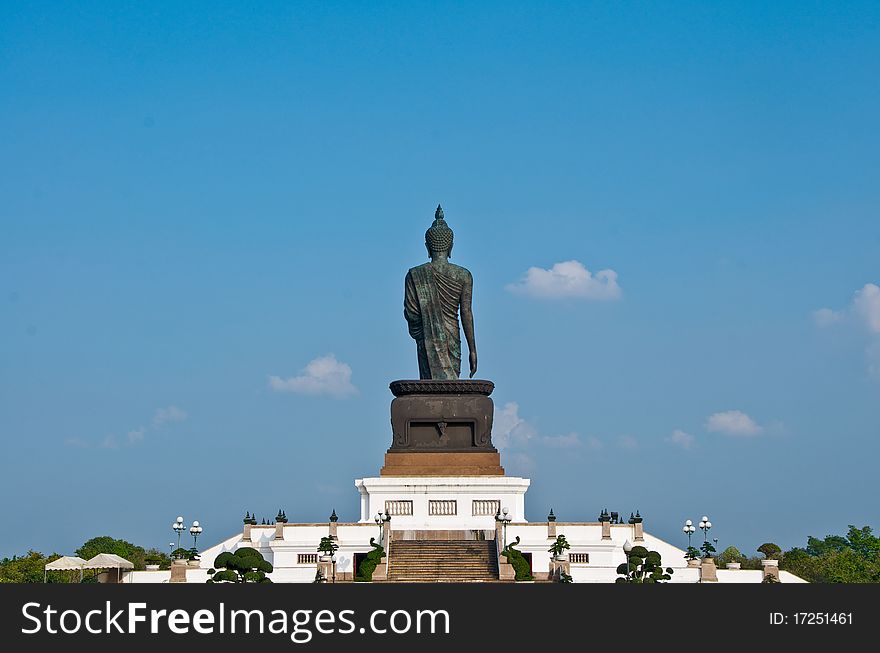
442	502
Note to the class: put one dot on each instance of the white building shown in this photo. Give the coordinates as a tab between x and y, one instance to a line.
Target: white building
446	529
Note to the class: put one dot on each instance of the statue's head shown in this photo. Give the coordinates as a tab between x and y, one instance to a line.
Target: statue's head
438	237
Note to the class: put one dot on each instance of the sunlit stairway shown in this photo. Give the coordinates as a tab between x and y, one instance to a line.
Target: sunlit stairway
438	561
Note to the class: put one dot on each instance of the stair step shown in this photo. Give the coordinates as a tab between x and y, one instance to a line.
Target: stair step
420	561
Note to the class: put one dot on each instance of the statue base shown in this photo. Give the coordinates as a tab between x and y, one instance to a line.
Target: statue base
440	463
442	428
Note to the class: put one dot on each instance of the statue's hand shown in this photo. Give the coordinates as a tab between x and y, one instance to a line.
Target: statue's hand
473	361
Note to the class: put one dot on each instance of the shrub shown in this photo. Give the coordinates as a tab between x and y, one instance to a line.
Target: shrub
643	566
368	565
327	546
770	550
559	546
246	565
521	568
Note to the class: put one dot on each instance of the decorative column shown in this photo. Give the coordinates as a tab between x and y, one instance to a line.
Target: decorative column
708	571
332	524
248	522
280	520
770	571
551	525
178	571
557	568
605	521
638	527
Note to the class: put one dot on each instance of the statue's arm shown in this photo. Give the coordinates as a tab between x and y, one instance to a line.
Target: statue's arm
411	308
467	321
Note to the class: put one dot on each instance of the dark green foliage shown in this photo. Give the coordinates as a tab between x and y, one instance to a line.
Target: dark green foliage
831	544
327	546
692	553
853	558
643	566
521	567
106	544
837	559
245	565
156	557
180	554
730	554
368	565
707	548
29	568
864	542
565	578
559	546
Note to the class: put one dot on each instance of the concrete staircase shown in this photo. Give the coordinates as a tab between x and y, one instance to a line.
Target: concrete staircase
450	561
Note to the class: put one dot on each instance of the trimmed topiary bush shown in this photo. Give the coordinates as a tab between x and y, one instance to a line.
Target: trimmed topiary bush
521	567
246	565
643	567
368	565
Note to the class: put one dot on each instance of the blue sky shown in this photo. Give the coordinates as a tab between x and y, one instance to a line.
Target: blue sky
195	200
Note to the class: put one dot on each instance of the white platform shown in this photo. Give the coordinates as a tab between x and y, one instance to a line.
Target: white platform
442	502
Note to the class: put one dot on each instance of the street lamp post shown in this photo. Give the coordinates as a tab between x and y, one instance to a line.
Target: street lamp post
195	530
178	528
333	562
505	520
705	525
688	529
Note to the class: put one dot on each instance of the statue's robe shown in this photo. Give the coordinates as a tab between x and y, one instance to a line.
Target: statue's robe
432	297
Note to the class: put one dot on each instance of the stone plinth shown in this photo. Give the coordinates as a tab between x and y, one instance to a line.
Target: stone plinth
442	463
442	428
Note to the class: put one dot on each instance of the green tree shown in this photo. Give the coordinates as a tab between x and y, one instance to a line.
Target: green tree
831	544
730	554
770	550
837	559
863	542
643	566
106	544
29	568
246	565
157	557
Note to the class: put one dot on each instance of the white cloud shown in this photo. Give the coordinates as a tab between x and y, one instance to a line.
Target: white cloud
509	429
681	439
627	442
136	435
110	442
594	443
322	376
568	279
825	317
864	310
167	415
733	422
569	441
866	305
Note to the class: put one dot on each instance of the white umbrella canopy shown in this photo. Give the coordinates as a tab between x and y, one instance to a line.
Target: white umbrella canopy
108	561
66	562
